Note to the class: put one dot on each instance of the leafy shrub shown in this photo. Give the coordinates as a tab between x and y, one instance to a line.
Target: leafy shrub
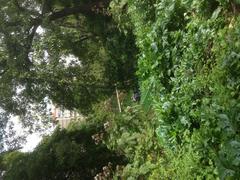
67	154
189	71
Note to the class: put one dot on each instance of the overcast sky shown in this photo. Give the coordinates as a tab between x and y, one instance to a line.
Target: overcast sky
33	139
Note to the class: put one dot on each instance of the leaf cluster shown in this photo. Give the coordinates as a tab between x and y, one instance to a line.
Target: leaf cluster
188	67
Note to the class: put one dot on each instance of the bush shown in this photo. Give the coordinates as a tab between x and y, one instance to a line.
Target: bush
189	71
67	154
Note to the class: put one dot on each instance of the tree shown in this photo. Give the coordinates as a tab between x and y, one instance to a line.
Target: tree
3	123
35	65
67	154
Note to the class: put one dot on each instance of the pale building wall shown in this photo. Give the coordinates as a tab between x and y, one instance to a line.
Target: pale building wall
64	116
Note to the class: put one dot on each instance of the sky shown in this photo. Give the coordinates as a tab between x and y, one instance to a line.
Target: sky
32	140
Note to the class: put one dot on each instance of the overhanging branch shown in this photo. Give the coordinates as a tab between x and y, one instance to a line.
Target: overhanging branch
85	9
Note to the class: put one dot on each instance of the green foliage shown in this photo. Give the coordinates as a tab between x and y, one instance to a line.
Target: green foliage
40	63
3	123
186	164
189	71
66	154
130	133
187	124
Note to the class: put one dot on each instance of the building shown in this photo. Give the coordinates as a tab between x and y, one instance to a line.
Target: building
64	116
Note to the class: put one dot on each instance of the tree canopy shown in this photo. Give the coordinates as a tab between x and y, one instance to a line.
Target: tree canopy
67	154
68	51
186	123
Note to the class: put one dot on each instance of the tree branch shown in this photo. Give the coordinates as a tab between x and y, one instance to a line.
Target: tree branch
71	11
25	10
85	9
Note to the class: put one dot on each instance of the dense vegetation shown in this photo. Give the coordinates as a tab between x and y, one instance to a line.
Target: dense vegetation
187	125
68	154
189	70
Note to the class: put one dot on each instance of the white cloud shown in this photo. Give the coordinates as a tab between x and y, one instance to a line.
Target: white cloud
32	141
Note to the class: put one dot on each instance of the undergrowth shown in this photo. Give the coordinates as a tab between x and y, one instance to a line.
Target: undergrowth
189	71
